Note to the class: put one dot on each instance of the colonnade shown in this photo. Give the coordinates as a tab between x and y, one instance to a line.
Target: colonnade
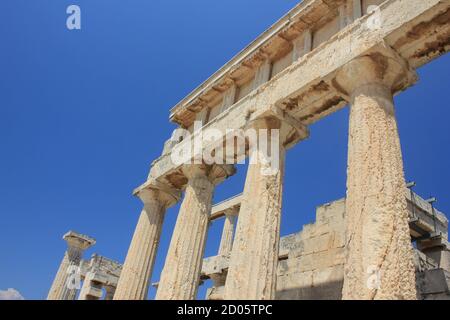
377	221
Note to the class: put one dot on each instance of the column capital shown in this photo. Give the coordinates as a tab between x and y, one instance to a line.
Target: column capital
154	190
381	66
78	241
291	129
214	173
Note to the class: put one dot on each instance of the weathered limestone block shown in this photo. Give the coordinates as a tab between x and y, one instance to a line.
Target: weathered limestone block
329	274
294	285
331	214
438	250
434	283
215	293
283	267
339	239
181	274
378	237
137	269
302	263
288	243
323	242
63	288
91	289
215	265
330	258
307	231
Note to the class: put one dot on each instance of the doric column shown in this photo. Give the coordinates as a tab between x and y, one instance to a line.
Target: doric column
64	287
379	262
226	242
137	269
181	274
254	258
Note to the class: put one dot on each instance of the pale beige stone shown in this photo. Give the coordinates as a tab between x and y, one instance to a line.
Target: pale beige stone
377	218
253	264
275	78
64	288
296	268
226	242
99	273
134	280
181	274
91	290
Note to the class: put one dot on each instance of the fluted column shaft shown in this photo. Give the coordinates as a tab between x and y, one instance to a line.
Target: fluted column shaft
379	262
181	274
226	242
135	276
254	258
60	288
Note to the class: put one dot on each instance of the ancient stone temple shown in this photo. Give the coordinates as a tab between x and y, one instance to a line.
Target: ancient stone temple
382	242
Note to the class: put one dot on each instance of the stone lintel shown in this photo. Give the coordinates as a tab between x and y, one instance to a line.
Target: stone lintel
305	88
225	207
215	265
300	18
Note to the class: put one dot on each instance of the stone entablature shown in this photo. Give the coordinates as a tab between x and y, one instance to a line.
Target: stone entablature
276	48
320	57
307	90
323	55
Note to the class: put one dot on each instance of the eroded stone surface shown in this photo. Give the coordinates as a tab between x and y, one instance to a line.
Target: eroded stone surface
252	272
313	61
378	239
181	274
136	273
311	268
63	287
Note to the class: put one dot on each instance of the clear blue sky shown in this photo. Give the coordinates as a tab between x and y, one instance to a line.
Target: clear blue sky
83	114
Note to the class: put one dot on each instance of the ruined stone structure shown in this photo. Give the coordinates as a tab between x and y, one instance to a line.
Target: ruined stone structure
99	273
95	274
76	244
322	56
311	262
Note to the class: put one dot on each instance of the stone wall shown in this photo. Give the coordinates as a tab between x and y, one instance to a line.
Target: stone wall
311	262
314	268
